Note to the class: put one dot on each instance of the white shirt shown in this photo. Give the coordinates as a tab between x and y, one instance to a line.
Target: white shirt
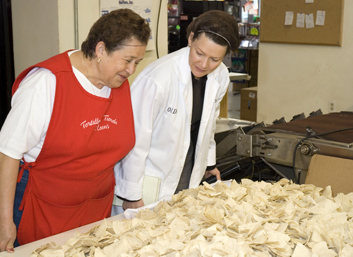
24	130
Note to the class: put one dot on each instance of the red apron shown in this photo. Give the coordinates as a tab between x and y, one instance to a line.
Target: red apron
72	181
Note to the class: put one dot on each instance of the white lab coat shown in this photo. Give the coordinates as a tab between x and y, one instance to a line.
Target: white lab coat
162	104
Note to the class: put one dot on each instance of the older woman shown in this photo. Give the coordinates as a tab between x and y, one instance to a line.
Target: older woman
71	121
176	102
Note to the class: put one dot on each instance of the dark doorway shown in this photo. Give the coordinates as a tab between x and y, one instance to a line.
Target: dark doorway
6	59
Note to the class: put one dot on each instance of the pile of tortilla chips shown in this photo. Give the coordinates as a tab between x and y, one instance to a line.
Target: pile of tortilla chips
247	219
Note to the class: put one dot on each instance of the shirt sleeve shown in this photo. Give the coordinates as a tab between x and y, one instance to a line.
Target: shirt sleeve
26	124
129	172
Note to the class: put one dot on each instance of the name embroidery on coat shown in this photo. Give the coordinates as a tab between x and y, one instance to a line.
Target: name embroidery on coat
172	110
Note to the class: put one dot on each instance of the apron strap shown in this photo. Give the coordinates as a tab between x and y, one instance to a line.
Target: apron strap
24	166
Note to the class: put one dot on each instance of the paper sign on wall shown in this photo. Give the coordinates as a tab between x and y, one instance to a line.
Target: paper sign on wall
320	18
289	18
142	7
309	21
300	20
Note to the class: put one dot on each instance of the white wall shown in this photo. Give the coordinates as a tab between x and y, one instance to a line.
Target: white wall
43	28
296	79
66	23
35	31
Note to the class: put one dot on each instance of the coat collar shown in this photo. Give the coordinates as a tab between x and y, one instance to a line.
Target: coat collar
184	67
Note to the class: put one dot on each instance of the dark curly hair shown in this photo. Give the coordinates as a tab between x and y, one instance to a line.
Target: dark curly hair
219	26
114	29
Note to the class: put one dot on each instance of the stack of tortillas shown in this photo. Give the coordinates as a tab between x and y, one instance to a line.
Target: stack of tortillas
227	219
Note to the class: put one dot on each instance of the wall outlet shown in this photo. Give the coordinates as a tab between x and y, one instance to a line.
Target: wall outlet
331	106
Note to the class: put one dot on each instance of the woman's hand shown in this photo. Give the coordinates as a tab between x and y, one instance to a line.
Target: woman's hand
8	179
133	205
214	172
7	235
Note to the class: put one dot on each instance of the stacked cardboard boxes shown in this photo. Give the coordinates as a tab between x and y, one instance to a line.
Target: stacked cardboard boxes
248	105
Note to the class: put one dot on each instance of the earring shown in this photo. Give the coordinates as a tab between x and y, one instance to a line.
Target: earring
99	60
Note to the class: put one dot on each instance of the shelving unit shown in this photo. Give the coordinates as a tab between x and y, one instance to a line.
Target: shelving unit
245	59
182	12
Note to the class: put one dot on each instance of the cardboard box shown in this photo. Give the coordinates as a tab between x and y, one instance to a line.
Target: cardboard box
248	105
249	93
331	171
248	115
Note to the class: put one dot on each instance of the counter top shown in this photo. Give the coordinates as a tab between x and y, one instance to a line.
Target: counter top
239	76
27	249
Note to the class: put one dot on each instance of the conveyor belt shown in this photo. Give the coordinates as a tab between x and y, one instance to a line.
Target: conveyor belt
319	124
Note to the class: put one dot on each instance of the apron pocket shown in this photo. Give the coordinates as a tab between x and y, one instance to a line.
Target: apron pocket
41	218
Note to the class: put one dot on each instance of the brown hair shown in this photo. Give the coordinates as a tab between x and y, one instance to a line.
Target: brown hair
114	29
219	26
